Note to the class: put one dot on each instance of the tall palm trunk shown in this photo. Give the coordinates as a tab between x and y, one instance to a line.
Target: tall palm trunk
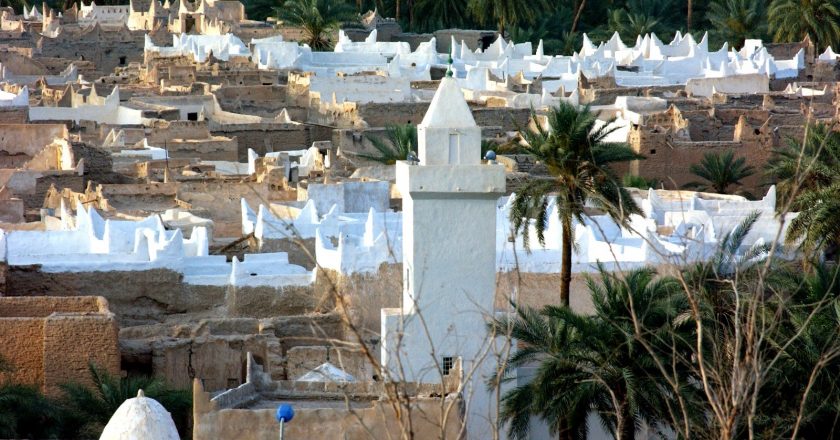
565	430
625	430
688	18
566	264
397	11
577	16
410	15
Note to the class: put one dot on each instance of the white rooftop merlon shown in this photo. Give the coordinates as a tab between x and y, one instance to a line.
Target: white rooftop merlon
21	99
199	47
88	243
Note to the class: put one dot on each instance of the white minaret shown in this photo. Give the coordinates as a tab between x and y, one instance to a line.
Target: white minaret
449	250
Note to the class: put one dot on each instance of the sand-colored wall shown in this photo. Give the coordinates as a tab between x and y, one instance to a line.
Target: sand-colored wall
540	289
43	306
376	421
72	342
29	139
60	340
22	349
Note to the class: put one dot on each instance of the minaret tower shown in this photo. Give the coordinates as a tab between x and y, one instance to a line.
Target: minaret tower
449	250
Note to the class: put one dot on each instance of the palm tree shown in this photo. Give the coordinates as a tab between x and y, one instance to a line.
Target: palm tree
640	17
507	13
814	356
577	157
631	181
260	9
591	363
808	176
736	20
793	20
91	408
720	171
24	411
689	10
439	14
399	141
318	18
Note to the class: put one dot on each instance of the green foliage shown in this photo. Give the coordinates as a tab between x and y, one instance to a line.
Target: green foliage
399	140
640	17
793	20
319	19
734	21
592	362
657	344
431	15
631	181
499	147
26	413
578	160
719	171
507	13
807	174
82	412
88	410
259	9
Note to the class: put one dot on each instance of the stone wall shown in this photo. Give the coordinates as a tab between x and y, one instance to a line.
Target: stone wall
29	139
264	302
163	131
148	298
215	148
107	49
367	294
220	200
321	412
14	115
265	101
23	349
50	341
214	350
72	343
59	179
300	360
266	137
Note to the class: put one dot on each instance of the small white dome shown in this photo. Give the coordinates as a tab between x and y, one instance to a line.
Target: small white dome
140	418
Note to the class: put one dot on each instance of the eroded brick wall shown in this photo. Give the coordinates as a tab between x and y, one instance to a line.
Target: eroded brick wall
58	341
72	342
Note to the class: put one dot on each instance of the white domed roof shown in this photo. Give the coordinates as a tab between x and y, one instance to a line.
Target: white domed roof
140	418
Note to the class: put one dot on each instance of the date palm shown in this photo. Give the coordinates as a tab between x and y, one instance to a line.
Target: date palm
91	408
736	20
578	158
793	20
588	363
719	171
24	411
398	142
319	19
639	182
809	357
808	175
640	17
432	15
507	13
